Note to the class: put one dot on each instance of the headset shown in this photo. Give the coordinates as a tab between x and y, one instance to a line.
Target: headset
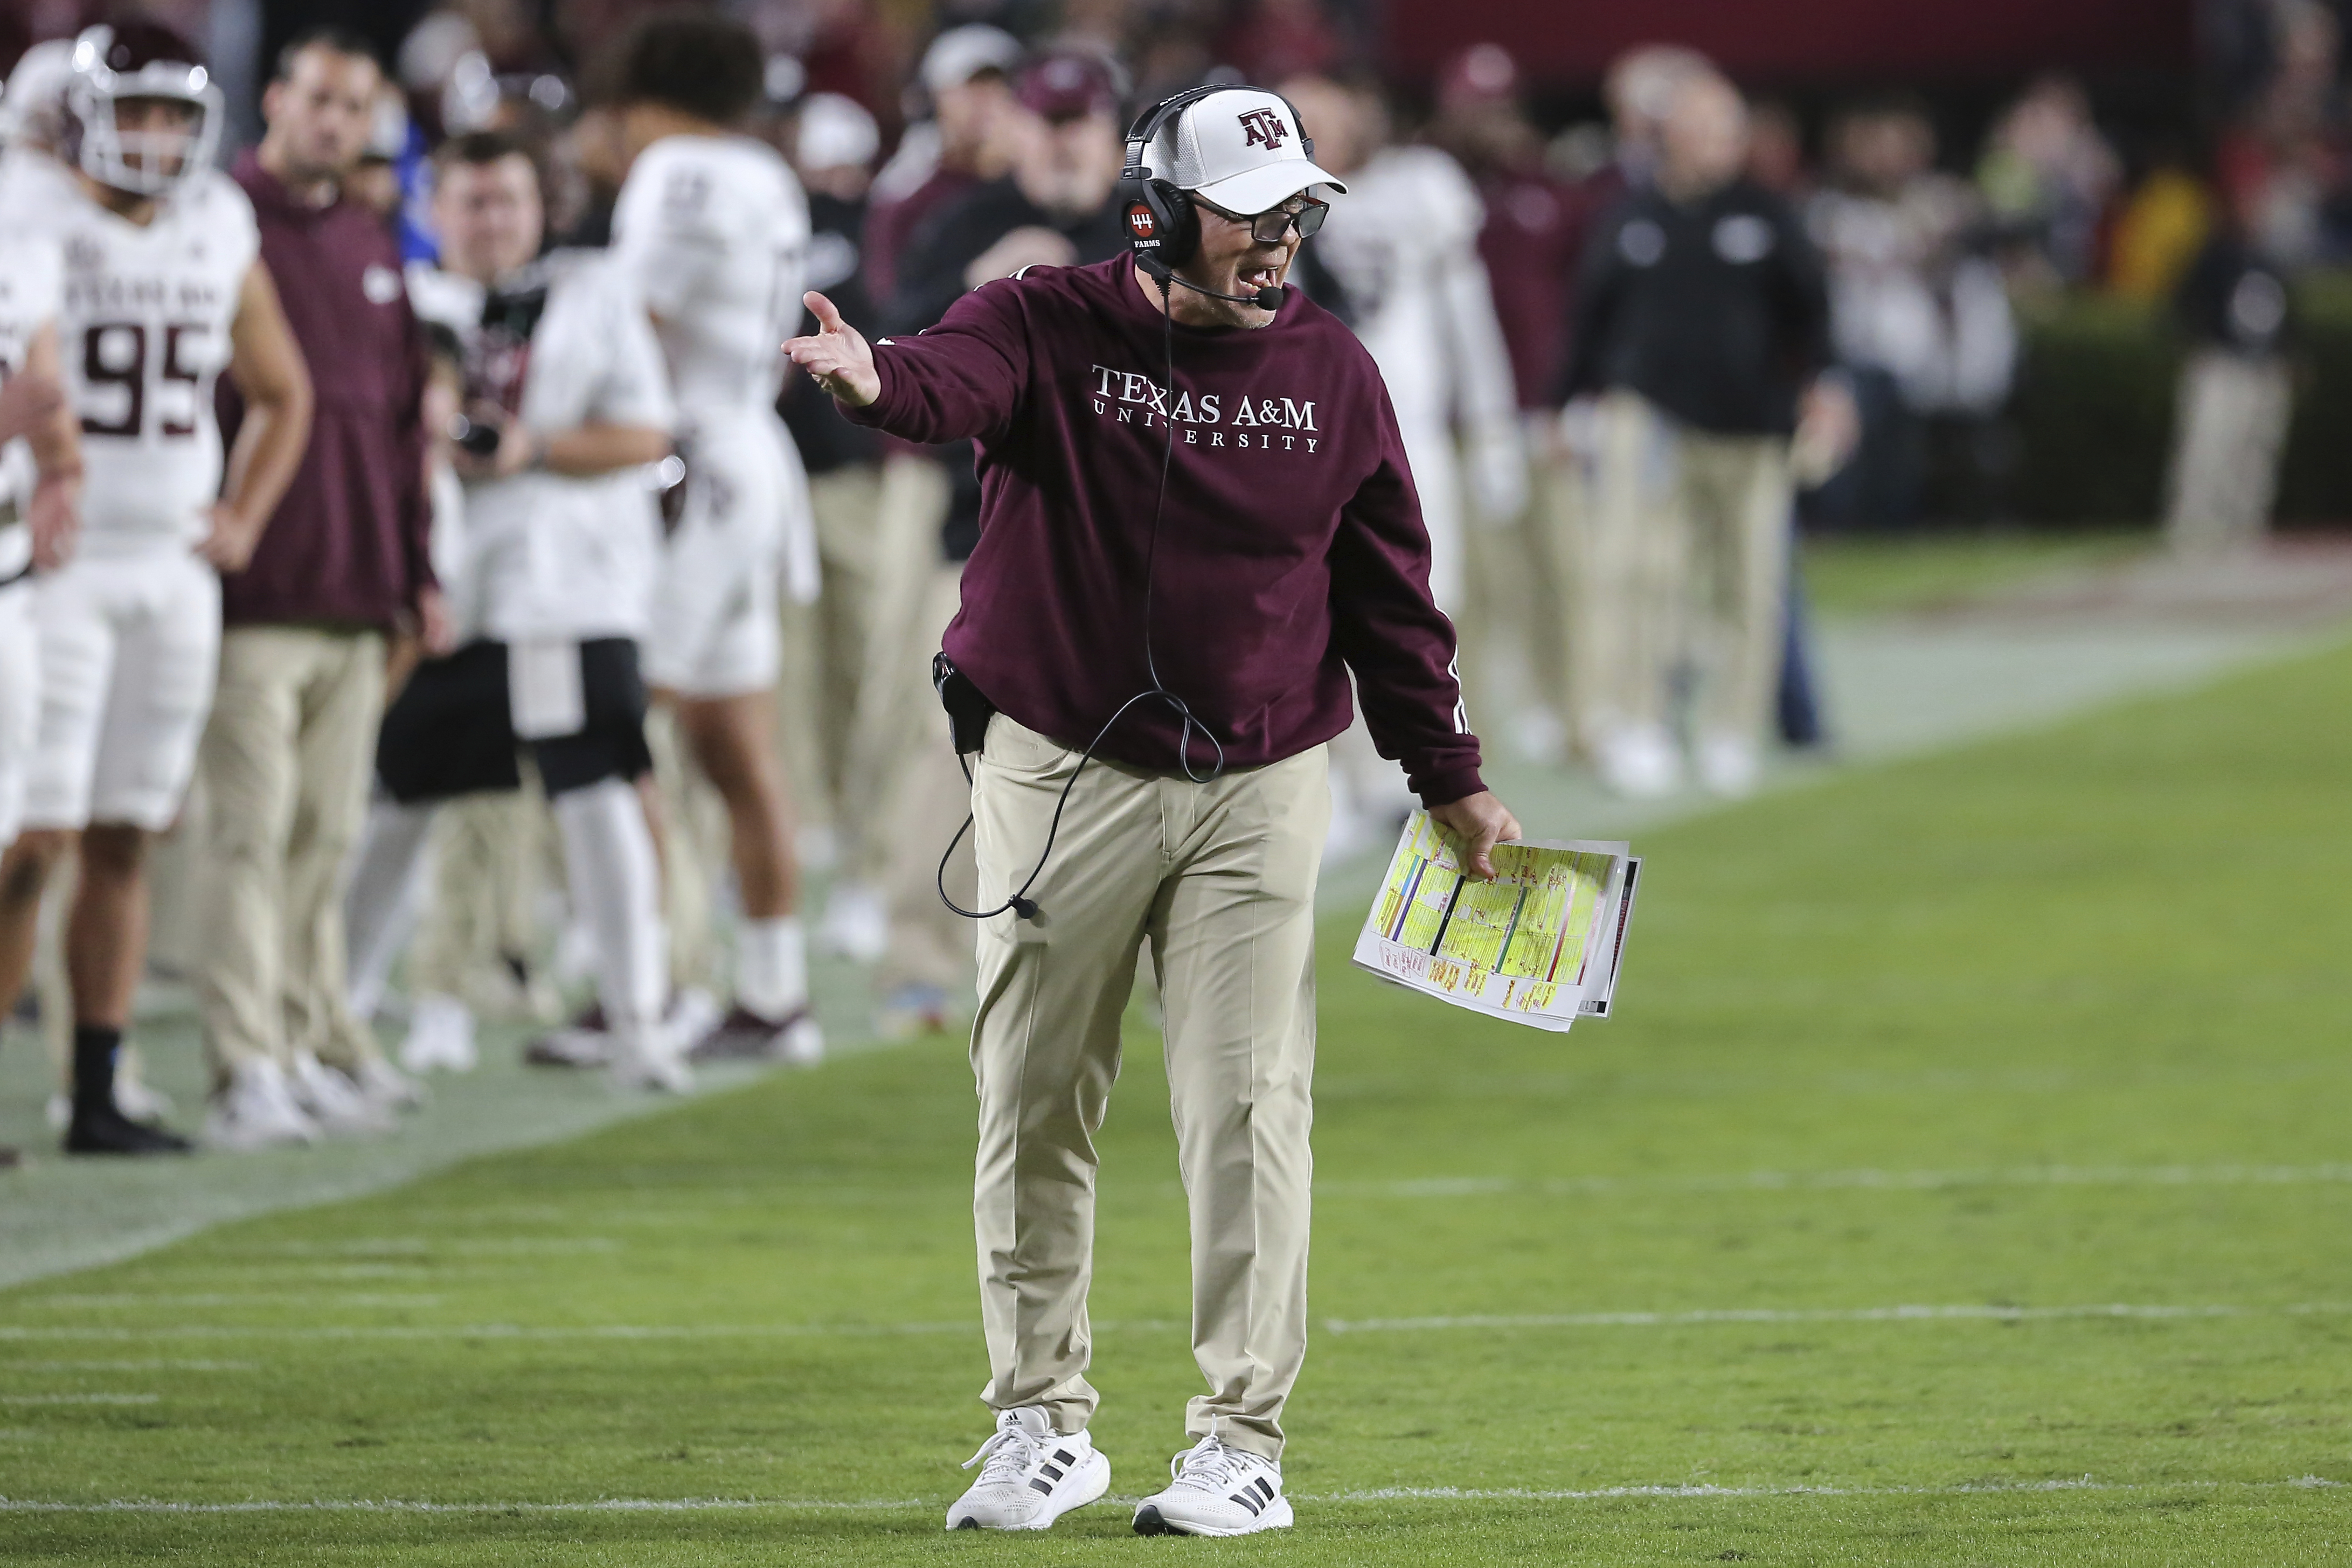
1163	230
1163	225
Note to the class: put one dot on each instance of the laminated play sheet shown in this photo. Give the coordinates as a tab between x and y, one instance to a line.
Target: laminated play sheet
1539	944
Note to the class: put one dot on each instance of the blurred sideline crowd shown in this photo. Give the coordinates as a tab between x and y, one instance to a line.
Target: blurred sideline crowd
524	631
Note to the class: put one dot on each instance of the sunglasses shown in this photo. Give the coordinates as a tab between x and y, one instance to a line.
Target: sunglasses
1269	228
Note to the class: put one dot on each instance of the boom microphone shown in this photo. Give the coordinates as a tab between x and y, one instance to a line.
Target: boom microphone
1266	298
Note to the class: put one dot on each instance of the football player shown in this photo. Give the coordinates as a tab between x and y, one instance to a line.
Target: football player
40	485
164	289
714	229
567	417
40	478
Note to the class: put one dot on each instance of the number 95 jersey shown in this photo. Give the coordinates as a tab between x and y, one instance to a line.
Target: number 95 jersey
143	333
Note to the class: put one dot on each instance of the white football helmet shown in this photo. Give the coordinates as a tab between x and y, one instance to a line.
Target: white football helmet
116	65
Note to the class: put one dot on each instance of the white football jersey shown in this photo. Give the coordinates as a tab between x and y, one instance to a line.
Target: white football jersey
31	281
143	333
1400	243
714	232
33	187
555	556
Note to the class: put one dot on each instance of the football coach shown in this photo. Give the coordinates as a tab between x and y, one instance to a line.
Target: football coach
1197	523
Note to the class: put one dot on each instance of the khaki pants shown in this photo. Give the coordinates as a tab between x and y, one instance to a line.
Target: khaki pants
1220	877
895	699
1683	558
824	646
2231	425
1737	497
1514	657
930	943
489	857
286	760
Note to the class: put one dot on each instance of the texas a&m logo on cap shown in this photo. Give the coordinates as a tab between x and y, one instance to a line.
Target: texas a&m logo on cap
1263	128
1140	225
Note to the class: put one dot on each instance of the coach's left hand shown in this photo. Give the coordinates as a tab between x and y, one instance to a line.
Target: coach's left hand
1476	823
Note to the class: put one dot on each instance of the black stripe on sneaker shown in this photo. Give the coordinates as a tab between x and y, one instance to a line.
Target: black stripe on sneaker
1051	1473
1248	1500
1063	1457
1265	1487
1040	1486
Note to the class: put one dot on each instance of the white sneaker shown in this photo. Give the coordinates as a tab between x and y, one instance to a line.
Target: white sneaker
1729	765
440	1035
648	1056
1218	1489
693	1012
857	923
386	1087
1641	763
1030	1476
257	1111
333	1101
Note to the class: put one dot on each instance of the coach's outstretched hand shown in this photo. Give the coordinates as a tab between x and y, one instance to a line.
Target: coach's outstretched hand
1476	823
837	355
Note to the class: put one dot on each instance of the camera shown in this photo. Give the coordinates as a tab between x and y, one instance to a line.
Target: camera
473	437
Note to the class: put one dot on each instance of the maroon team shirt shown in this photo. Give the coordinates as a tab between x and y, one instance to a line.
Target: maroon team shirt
1290	552
348	543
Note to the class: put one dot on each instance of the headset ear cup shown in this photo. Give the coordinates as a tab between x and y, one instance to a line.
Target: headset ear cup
1179	221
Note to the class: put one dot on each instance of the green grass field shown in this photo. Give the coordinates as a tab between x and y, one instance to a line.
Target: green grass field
1966	1181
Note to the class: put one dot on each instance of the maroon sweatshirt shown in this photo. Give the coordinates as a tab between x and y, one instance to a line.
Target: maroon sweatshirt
1291	550
348	545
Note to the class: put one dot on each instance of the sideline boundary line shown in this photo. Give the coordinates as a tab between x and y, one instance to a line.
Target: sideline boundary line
1378	1494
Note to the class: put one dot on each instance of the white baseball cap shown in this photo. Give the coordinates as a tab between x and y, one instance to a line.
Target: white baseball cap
834	132
960	53
1241	149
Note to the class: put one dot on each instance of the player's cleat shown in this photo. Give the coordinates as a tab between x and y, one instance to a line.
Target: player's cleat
648	1058
744	1037
1641	763
1030	1476
333	1101
440	1036
584	1042
103	1130
856	924
1728	765
257	1109
386	1087
1217	1490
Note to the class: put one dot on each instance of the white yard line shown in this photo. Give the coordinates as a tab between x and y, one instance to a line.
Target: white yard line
80	1300
147	1366
1904	1313
1834	1181
1344	1499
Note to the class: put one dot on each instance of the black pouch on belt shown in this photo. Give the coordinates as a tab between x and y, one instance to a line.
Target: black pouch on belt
969	712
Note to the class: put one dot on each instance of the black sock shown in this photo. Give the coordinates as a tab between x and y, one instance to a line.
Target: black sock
95	1046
